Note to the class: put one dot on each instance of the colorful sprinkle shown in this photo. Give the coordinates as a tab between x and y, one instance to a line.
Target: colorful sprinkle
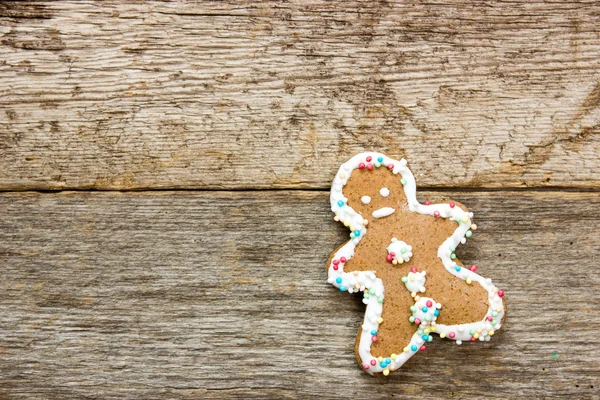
369	158
427	203
342	288
343	259
403	181
380	159
452	204
340	203
338	280
361	166
436	213
501	293
414	347
423	348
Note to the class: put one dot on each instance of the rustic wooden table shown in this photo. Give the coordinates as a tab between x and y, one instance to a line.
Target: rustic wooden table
164	215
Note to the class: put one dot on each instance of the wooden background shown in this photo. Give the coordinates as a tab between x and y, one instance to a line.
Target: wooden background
164	168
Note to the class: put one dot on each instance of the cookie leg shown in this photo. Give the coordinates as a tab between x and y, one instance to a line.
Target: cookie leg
460	329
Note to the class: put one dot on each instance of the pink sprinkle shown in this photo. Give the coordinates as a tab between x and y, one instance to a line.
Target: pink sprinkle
473	339
336	262
361	165
391	166
370	167
417	321
335	267
373	362
427	203
423	348
490	318
389	258
501	293
473	268
414	269
369	158
366	366
343	259
374	338
451	335
429	303
436	213
452	204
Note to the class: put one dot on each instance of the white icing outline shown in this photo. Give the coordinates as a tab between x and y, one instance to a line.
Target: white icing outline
359	281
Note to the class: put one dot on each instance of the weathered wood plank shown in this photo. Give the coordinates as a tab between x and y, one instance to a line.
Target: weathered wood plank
123	95
190	294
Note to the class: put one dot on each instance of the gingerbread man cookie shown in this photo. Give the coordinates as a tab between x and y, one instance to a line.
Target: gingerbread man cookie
400	256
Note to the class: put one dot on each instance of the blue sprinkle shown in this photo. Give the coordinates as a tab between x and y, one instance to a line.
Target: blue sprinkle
338	280
380	159
424	309
342	288
383	364
425	337
341	203
436	312
413	347
458	268
374	332
357	233
388	360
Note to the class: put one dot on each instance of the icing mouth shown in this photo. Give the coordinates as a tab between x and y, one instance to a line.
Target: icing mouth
383	212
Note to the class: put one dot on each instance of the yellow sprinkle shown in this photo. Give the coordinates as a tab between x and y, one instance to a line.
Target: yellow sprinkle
380	359
336	218
468	281
406	349
417	298
473	227
394	261
355	273
490	332
365	222
479	330
498	309
426	330
379	320
386	372
393	356
346	223
413	294
433	328
442	335
357	286
343	175
476	335
465	219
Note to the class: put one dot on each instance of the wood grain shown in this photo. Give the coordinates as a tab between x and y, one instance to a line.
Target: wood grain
202	94
223	294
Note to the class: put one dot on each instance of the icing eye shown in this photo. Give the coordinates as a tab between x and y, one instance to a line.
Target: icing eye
365	199
385	192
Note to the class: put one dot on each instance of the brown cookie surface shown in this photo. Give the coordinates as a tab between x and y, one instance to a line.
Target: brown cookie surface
461	303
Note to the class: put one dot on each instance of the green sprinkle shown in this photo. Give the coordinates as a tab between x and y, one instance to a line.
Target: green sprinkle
430	338
472	332
420	331
452	248
403	250
404	279
453	256
494	314
403	181
413	309
427	318
468	234
366	296
411	319
372	291
377	165
380	299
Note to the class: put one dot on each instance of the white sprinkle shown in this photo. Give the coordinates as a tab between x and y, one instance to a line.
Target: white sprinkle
385	192
365	199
